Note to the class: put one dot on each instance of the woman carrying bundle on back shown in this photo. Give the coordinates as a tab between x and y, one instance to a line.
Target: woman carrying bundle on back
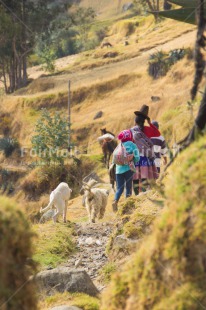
125	156
145	168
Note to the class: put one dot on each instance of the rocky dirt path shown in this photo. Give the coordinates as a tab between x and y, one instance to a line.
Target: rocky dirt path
91	243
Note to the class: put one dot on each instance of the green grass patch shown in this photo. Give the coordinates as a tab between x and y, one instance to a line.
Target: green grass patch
169	115
176	123
107	271
54	244
127	207
82	219
97	158
138	225
82	301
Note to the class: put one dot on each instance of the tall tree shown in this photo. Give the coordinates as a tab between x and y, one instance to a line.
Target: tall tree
21	22
154	6
83	19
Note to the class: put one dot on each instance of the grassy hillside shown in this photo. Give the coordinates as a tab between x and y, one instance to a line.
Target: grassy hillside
165	268
168	271
116	86
109	84
105	8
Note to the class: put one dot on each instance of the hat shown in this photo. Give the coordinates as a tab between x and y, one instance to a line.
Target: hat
125	135
156	124
144	111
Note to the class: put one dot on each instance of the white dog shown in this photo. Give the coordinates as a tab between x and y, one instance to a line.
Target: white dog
59	199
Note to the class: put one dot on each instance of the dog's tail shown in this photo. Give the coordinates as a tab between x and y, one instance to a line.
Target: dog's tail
48	207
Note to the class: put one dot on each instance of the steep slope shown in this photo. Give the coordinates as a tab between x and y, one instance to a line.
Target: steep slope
109	87
105	8
117	87
170	262
168	271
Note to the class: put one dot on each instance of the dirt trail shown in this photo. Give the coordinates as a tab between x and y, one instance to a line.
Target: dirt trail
135	65
91	242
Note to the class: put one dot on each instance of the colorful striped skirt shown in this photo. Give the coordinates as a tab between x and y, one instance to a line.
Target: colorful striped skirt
145	169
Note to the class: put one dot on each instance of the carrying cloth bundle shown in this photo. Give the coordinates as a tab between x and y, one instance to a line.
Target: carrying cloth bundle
121	157
143	143
107	136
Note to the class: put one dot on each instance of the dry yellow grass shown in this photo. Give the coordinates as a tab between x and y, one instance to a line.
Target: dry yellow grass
117	89
117	103
165	35
105	8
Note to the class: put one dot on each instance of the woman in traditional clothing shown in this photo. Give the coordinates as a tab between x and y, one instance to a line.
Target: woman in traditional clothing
145	168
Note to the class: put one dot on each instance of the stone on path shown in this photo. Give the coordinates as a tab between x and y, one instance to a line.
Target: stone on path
78	262
63	279
90	241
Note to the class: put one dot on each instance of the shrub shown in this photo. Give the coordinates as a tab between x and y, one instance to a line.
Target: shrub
16	265
160	62
51	137
44	179
5	124
8	145
8	179
47	57
101	33
158	66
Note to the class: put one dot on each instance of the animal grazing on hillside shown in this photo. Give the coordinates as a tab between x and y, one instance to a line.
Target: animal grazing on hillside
58	199
106	44
155	98
108	146
94	199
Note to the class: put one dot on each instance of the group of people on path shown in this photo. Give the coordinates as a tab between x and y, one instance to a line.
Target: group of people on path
147	146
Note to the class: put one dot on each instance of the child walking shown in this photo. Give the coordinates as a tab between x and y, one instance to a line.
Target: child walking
124	173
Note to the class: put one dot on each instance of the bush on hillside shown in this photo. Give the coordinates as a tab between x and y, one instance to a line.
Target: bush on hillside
139	7
8	145
16	265
101	33
160	62
83	19
5	124
8	180
51	138
46	178
169	270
